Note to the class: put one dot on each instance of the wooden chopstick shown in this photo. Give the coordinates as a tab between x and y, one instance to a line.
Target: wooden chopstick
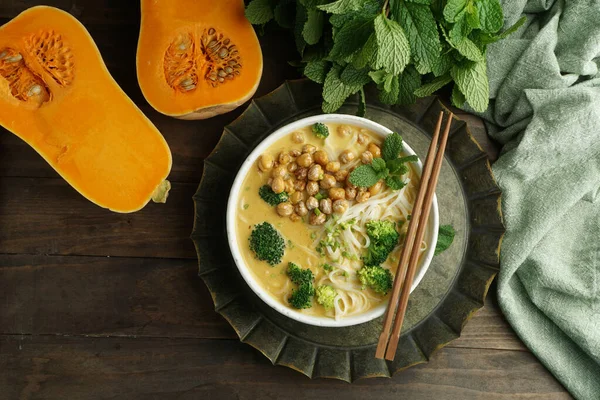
410	234
414	254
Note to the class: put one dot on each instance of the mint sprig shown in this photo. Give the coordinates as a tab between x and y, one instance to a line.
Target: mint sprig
390	167
407	48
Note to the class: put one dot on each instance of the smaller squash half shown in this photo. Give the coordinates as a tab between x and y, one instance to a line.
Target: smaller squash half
57	95
197	58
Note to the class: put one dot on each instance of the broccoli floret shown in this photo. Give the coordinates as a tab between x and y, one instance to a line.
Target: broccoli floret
384	238
266	243
299	275
376	277
326	295
302	297
270	197
320	130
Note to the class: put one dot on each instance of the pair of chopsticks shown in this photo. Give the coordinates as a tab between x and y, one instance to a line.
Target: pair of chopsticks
414	236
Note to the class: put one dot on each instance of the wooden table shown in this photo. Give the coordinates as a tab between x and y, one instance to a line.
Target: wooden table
97	305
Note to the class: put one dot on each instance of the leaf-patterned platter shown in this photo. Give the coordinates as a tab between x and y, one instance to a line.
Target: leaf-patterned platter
452	290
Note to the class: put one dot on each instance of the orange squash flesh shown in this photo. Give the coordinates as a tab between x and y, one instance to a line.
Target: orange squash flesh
57	95
197	58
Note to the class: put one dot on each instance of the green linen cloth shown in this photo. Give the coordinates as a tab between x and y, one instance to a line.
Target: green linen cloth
545	109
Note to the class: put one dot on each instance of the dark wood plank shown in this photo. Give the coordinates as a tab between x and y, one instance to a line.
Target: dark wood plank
47	216
142	297
107	297
51	367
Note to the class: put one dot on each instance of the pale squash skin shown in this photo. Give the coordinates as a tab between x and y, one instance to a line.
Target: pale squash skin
84	125
163	21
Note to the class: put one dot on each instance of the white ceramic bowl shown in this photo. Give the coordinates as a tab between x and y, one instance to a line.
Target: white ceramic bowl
250	163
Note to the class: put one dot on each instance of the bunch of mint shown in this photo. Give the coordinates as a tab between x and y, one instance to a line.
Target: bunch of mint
390	167
408	48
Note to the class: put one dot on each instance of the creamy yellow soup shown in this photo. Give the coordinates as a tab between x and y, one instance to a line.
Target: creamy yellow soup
302	238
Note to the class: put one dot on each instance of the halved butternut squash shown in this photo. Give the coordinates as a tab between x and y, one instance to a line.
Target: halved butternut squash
57	95
197	58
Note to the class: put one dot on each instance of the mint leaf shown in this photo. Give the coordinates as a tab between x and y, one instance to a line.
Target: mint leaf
378	76
407	159
362	103
390	95
445	238
393	49
313	28
472	16
458	99
461	28
316	71
301	18
429	88
453	9
355	77
443	63
472	81
341	6
391	147
334	90
328	107
408	82
364	176
394	182
422	33
397	167
378	164
312	4
351	37
367	55
467	48
491	17
284	13
259	12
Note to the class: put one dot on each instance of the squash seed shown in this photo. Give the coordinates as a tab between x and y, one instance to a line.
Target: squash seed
34	90
15	58
211	31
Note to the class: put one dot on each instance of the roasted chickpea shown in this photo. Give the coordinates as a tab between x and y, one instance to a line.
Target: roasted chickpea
301	173
278	185
362	138
297	137
366	157
295	217
325	206
374	149
301	209
284	158
292	167
315	219
312	203
361	197
285	209
321	157
295	152
304	160
312	188
309	148
297	197
337	193
300	185
341	175
344	130
289	186
340	206
265	162
315	173
350	193
328	181
279	171
332	166
348	183
376	188
347	156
